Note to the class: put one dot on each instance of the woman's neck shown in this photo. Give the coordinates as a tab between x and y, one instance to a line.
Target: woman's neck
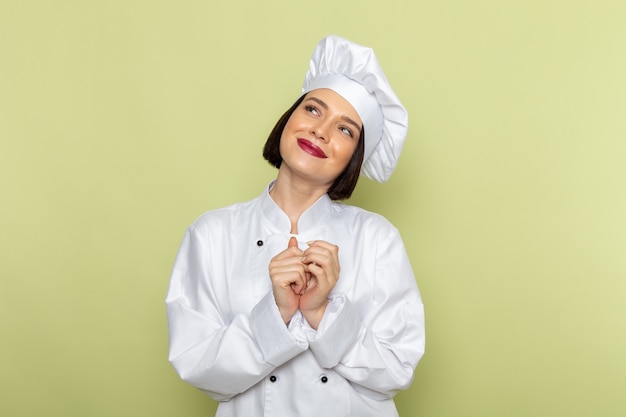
294	196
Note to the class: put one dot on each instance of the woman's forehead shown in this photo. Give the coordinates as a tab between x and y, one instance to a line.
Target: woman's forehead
331	100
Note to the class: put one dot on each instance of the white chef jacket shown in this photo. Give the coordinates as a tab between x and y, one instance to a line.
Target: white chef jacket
227	337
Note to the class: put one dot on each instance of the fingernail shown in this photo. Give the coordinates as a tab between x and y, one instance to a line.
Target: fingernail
310	242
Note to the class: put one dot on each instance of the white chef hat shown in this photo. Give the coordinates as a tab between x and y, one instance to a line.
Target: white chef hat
353	72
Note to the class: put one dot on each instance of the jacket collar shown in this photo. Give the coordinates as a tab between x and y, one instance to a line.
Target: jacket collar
278	220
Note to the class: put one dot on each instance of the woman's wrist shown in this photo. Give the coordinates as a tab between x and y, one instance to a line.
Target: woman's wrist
314	317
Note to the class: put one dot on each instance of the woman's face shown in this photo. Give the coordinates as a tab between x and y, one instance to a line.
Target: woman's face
320	137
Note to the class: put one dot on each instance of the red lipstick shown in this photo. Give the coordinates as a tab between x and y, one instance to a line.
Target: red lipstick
310	148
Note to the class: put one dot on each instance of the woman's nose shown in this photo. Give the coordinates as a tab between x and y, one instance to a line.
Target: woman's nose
320	130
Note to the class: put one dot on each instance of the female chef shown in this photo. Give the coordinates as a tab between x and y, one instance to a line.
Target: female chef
294	304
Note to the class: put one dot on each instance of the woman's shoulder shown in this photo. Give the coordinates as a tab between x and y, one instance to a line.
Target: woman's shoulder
225	216
363	217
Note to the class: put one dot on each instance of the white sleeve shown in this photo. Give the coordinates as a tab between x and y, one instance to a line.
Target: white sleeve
221	358
378	349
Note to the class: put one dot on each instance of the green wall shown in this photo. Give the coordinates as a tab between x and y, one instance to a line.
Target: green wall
122	121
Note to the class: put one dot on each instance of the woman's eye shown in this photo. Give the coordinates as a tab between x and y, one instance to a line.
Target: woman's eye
311	109
346	131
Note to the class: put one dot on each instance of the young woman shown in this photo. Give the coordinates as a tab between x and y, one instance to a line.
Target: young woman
294	304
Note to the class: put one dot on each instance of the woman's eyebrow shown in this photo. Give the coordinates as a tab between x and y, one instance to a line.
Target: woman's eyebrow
318	101
325	106
352	122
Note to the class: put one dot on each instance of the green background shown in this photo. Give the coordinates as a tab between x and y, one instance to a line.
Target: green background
122	121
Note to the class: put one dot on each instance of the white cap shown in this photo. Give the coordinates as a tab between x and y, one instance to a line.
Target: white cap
353	72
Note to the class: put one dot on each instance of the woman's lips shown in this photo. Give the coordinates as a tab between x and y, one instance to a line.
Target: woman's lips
310	148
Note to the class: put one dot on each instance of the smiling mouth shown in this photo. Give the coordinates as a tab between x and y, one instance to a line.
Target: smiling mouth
310	148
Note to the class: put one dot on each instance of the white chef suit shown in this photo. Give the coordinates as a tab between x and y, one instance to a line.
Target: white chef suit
227	337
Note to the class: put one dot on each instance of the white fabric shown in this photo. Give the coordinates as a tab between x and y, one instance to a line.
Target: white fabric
227	337
353	72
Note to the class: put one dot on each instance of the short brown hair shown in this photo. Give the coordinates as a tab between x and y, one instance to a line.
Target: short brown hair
345	183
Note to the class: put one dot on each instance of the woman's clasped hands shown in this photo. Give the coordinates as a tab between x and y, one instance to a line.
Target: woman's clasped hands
303	279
